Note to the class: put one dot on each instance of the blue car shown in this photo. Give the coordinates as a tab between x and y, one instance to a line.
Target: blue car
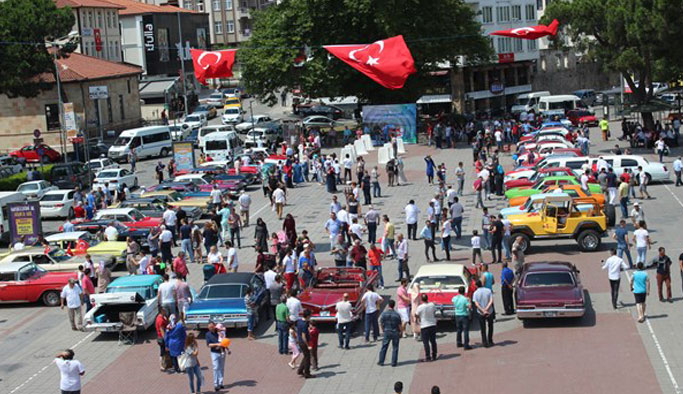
535	202
221	300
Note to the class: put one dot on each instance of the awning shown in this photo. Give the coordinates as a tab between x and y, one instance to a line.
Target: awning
435	99
156	89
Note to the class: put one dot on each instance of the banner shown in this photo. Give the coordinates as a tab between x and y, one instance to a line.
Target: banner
24	220
399	120
183	154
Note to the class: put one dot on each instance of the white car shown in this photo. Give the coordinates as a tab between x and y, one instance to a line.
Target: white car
179	133
248	123
104	163
206	130
55	260
194	121
215	99
115	177
231	115
319	121
35	190
656	172
57	204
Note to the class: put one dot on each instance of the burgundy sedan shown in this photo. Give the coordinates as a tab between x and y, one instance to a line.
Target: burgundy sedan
549	290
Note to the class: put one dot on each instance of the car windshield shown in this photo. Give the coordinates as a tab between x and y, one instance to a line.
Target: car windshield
28	187
136	215
53	197
144	291
222	291
232	111
440	282
192	118
202	108
232	101
96	164
108	174
122	141
59	255
522	101
545	279
29	271
584	113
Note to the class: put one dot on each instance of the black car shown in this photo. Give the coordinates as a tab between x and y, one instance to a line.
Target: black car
95	226
330	111
70	175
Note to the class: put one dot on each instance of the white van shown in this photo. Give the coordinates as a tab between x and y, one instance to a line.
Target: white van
526	102
558	105
222	145
147	141
206	130
6	198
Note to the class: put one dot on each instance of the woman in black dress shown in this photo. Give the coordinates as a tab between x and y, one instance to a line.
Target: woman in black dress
261	235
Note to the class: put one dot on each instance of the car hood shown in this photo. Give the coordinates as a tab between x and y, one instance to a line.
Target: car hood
217	306
108	248
549	294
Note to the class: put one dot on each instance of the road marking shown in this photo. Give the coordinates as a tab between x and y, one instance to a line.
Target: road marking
672	193
35	375
674	383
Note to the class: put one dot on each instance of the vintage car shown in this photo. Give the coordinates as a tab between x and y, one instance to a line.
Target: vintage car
136	293
540	174
130	217
330	285
98	226
571	190
560	217
25	281
549	290
535	202
54	260
440	282
193	206
580	117
221	300
104	249
75	243
549	181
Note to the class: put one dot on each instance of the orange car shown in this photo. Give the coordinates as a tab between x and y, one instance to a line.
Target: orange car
572	190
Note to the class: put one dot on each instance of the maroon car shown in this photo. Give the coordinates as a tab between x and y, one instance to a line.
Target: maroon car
330	285
549	290
580	117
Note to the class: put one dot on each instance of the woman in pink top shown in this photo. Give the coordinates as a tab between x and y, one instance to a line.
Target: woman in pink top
414	303
403	301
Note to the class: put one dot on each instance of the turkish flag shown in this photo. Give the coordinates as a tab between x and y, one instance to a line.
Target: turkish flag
387	62
530	32
212	64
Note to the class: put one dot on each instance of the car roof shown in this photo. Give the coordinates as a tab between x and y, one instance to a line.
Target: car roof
141	199
541	196
13	266
441	269
28	251
231	278
69	236
135	280
537	266
114	211
30	182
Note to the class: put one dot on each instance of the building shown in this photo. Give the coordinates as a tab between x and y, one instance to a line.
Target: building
97	24
20	116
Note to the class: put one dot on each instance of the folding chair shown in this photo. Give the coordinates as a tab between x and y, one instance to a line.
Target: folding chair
128	334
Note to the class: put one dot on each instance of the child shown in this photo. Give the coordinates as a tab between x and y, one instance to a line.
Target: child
313	344
293	347
476	247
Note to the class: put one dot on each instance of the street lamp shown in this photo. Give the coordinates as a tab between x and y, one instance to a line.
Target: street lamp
251	113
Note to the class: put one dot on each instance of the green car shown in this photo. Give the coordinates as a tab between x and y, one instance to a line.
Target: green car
543	184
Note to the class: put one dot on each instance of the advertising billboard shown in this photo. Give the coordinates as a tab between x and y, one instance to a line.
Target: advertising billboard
401	119
24	220
183	154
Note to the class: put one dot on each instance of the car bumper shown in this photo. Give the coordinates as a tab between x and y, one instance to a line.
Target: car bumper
54	212
203	323
445	314
545	313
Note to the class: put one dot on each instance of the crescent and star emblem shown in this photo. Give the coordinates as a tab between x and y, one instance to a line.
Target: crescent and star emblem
522	31
371	60
215	53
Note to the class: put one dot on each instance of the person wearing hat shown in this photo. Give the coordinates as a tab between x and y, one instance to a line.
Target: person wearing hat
71	297
637	213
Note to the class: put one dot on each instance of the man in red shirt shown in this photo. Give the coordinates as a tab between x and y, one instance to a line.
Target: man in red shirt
358	253
79	212
179	265
313	333
375	256
160	324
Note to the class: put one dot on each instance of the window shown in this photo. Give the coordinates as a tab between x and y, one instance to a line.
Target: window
516	12
519	45
629	163
530	12
504	44
52	116
216	5
531	45
503	14
84	22
99	19
487	15
117	52
90	19
539	5
121	107
230	27
109	111
228	5
218	27
109	21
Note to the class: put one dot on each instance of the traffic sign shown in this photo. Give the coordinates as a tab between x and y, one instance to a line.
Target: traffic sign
36	133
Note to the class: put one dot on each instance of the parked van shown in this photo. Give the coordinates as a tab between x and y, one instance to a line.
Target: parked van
206	130
147	141
526	102
587	96
558	105
222	145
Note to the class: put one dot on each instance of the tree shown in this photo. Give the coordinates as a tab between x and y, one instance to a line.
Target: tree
636	38
24	27
434	30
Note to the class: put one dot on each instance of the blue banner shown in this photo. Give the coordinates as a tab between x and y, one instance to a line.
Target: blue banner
398	120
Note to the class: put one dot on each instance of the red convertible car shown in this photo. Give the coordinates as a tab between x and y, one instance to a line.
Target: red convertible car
23	281
330	285
30	154
549	290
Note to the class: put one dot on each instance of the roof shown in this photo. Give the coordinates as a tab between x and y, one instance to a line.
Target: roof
114	211
440	270
155	89
548	266
132	7
231	278
59	191
78	67
69	236
135	280
13	266
139	199
87	3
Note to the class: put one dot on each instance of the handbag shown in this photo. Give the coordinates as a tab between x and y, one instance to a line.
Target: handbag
184	361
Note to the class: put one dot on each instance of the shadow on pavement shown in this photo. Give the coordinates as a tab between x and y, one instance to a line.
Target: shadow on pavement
587	320
241	383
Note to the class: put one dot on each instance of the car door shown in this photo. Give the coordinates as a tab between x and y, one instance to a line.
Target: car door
10	288
550	218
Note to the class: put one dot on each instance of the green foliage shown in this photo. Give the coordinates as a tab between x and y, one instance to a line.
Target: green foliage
434	30
28	21
11	183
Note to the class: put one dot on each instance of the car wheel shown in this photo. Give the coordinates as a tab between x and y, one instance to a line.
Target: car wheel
589	240
524	245
50	298
164	152
611	215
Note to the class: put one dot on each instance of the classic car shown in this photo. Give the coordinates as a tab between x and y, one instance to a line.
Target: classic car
221	300
551	148
330	285
98	226
541	174
57	204
543	140
580	117
54	260
104	249
35	190
440	282
549	129
549	181
24	281
31	154
535	202
549	290
571	190
192	206
130	217
136	293
148	206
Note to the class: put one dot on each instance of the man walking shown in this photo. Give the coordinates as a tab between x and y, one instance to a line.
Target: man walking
344	321
390	321
663	264
460	178
412	213
303	338
371	302
70	372
426	317
71	297
371	223
614	265
462	307
507	284
217	355
402	253
483	300
281	325
456	211
428	238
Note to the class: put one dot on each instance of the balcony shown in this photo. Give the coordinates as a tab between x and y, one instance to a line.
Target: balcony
244	12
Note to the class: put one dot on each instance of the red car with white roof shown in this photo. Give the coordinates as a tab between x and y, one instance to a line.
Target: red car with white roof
25	281
130	217
440	282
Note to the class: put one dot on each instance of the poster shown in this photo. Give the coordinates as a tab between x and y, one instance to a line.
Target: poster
402	118
183	154
24	220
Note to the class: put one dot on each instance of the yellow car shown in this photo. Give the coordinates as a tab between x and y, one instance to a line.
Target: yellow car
105	249
174	199
233	102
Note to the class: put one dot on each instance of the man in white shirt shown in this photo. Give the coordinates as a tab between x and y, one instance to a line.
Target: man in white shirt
20	244
412	212
450	195
111	234
71	298
294	306
456	211
584	181
269	277
614	265
678	168
216	197
233	263
244	202
637	213
426	317
356	229
170	221
70	372
484	174
371	302
601	163
344	321
167	296
343	217
280	199
335	206
486	314
402	254
348	164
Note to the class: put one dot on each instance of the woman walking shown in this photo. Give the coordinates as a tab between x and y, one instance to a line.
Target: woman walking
192	366
401	174
175	340
640	286
430	168
289	227
293	347
104	275
261	235
414	303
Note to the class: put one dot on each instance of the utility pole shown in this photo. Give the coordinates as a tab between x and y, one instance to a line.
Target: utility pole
181	56
62	133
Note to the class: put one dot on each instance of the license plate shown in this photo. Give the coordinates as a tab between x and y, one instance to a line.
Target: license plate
549	314
325	313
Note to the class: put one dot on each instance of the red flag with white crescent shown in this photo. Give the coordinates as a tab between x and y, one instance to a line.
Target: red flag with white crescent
387	62
212	64
530	32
